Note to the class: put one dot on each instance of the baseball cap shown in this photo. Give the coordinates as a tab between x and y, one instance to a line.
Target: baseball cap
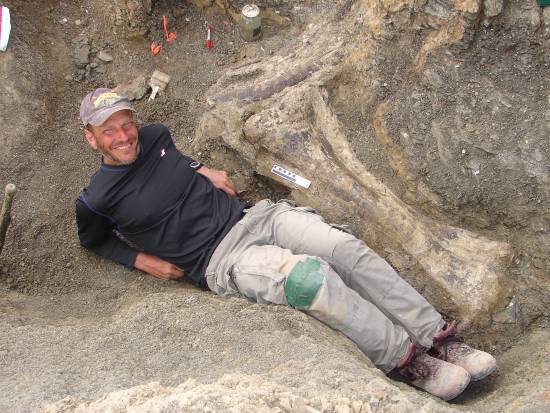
98	105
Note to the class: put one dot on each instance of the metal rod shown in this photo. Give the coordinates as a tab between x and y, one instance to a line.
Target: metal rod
5	216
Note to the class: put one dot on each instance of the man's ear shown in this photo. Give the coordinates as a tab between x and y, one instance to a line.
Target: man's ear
90	138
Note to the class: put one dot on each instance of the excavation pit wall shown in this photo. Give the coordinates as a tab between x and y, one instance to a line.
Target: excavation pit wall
445	107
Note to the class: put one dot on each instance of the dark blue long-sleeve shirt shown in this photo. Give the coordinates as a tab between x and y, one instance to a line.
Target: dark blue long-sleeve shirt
159	204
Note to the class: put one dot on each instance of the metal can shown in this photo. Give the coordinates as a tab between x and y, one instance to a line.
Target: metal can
250	23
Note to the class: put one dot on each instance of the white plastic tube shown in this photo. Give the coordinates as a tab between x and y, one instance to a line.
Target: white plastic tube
5	27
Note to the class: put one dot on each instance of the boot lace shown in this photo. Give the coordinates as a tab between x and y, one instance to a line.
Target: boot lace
452	343
421	366
448	341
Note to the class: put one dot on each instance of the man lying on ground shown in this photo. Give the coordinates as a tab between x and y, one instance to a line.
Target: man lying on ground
188	223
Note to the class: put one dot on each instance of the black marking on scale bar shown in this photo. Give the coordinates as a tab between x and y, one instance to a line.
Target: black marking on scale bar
282	175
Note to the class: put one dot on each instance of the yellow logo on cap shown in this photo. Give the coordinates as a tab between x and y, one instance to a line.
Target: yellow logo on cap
108	97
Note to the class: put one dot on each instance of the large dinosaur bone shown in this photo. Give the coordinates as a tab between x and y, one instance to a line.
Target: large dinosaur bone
277	112
465	264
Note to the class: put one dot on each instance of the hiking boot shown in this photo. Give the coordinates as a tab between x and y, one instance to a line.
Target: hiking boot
437	377
449	346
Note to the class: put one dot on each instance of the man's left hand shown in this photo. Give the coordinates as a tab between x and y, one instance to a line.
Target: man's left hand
219	179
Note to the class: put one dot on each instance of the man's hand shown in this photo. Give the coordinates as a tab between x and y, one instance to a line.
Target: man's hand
157	267
219	179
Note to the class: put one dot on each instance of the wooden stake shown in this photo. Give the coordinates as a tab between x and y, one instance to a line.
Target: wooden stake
5	216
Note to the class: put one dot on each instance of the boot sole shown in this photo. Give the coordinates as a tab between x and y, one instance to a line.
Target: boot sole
459	391
484	374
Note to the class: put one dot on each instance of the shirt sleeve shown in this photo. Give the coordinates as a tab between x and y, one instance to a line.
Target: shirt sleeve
96	233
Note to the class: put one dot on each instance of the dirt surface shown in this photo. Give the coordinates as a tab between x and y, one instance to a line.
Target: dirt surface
50	286
49	160
46	278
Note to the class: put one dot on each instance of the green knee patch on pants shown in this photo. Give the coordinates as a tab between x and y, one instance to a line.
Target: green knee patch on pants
303	282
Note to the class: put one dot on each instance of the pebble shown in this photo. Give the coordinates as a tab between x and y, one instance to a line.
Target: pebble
82	55
342	408
135	89
105	57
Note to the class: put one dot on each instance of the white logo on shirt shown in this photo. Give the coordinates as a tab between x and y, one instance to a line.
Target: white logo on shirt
162	152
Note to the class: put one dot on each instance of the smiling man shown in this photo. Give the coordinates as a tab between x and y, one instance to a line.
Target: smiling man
183	221
160	203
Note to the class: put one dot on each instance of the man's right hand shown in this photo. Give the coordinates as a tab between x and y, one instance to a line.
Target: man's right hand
157	267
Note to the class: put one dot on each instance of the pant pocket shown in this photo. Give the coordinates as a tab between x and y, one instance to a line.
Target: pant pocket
293	205
289	202
342	227
259	284
307	209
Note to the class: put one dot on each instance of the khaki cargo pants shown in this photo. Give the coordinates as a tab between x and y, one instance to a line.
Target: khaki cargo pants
281	254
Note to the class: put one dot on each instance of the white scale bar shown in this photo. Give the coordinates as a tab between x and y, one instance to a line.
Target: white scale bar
290	176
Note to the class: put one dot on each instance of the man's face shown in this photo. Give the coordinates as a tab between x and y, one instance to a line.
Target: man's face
116	139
